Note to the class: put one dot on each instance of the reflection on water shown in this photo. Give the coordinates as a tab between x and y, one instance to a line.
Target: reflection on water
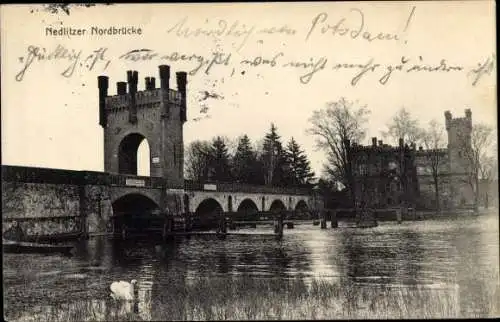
460	256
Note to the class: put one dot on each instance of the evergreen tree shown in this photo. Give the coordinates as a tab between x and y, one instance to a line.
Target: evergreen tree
245	167
298	168
273	158
220	164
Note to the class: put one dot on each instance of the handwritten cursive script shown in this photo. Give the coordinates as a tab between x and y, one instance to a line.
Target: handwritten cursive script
483	68
305	67
222	28
358	29
61	53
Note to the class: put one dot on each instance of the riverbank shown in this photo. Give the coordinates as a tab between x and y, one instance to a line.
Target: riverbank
247	298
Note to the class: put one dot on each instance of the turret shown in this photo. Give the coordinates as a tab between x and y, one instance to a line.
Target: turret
102	83
447	116
121	88
181	87
132	79
150	83
165	77
468	114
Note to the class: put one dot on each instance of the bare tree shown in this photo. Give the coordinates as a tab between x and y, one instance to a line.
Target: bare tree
197	161
334	127
403	125
488	172
476	149
435	155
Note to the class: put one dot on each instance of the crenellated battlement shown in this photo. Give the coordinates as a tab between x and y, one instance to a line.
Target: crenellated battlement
169	100
143	99
454	122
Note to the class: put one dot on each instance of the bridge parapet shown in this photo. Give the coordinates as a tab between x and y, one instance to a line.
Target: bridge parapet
60	176
245	188
40	175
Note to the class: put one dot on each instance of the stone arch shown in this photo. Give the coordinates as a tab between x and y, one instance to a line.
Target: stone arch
117	193
301	208
247	206
134	203
277	205
135	210
209	206
301	204
197	198
127	153
144	159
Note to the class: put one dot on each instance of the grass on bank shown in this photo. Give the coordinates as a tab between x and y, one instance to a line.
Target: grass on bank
247	298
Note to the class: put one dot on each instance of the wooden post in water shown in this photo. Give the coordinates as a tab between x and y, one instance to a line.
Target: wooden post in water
278	225
323	219
222	229
188	223
399	215
167	227
333	216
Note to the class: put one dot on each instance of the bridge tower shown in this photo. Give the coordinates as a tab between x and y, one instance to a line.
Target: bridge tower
155	114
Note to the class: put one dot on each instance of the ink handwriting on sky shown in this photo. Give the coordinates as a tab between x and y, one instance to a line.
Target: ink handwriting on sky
70	59
352	25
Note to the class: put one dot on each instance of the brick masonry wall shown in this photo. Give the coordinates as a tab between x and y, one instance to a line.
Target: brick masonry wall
41	208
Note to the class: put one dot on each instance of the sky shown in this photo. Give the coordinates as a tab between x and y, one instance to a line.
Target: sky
50	110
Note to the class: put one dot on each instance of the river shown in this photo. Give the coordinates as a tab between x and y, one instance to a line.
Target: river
459	256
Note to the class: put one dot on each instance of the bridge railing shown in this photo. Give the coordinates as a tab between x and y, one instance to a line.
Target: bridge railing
245	188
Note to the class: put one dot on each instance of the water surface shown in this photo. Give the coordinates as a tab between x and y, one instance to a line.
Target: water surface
459	255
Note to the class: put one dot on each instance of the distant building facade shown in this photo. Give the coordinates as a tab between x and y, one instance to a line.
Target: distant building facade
386	176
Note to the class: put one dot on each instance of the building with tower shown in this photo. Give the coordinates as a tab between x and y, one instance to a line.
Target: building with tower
387	176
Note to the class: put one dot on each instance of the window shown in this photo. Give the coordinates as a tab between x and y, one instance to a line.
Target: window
363	169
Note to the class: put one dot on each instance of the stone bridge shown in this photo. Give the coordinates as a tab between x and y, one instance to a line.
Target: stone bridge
51	201
239	197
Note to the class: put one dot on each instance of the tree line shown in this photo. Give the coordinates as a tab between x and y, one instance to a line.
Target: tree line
269	163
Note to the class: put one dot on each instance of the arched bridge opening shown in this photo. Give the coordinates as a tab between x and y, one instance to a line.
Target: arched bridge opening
136	213
301	210
134	155
277	206
208	214
247	210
